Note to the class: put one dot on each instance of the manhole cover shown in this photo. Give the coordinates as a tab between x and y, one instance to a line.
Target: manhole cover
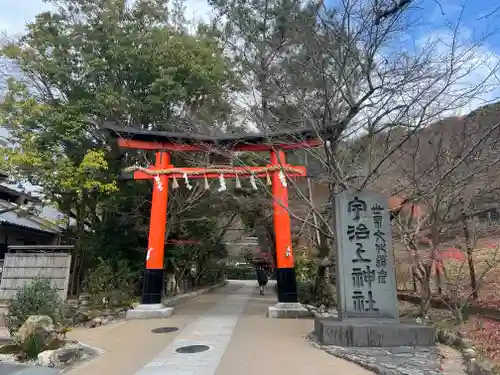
192	349
164	329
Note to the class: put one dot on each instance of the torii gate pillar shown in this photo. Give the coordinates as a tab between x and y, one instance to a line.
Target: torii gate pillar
152	289
287	306
285	267
153	274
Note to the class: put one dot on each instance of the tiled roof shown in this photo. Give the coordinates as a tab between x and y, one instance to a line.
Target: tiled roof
13	218
54	216
45	213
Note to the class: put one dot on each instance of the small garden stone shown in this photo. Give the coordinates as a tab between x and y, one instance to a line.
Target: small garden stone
45	358
40	325
469	353
62	357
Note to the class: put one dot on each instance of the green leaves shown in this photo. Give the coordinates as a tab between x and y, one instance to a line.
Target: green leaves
95	61
101	61
37	297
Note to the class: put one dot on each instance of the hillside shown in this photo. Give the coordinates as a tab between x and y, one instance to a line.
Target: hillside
420	163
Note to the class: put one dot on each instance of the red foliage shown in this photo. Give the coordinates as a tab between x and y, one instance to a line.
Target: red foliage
486	334
489	292
488	299
451	254
483	331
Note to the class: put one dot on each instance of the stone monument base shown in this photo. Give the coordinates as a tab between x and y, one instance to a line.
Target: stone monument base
153	311
283	310
363	332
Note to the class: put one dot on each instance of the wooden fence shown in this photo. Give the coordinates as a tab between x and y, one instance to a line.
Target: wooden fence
20	268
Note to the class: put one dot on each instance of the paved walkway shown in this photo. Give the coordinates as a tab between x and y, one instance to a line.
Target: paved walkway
231	321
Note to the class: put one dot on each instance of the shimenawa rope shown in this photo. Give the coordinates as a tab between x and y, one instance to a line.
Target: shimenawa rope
217	170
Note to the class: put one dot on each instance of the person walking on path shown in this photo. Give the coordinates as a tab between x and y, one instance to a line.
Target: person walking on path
261	277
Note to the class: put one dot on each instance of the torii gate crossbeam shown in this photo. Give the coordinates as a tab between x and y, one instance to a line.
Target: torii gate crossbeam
163	171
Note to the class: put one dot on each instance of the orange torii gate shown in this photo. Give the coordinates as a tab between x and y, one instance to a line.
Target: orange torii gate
277	171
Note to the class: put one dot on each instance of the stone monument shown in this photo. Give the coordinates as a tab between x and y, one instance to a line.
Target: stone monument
366	280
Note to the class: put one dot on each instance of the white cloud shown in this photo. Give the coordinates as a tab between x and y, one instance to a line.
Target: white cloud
15	14
456	77
481	60
477	65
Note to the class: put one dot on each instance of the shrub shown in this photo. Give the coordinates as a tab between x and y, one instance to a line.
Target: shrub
213	273
37	297
305	292
115	284
100	282
305	266
32	346
326	295
240	273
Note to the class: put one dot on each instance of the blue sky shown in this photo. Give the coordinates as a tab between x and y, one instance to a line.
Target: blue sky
478	25
15	13
480	18
478	21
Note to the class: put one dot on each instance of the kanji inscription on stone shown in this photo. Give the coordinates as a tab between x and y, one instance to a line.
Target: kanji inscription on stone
365	266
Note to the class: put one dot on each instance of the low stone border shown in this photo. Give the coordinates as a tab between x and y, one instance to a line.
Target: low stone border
387	361
181	297
120	314
311	338
322	311
472	364
72	355
90	353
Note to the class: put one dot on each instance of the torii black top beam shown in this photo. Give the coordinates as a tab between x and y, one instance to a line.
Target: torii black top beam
131	137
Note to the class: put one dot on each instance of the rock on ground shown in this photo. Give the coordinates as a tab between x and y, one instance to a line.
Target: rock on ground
40	325
61	357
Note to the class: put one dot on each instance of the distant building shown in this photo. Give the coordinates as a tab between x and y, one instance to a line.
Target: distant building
22	221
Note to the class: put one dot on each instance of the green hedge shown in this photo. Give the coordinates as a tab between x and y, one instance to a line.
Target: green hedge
306	295
240	273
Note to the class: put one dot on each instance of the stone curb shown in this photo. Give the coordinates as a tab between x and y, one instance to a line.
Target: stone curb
100	321
472	364
379	370
177	299
93	354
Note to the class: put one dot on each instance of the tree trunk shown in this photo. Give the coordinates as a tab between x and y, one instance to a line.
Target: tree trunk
470	260
80	235
425	295
414	280
438	278
333	244
422	274
311	202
